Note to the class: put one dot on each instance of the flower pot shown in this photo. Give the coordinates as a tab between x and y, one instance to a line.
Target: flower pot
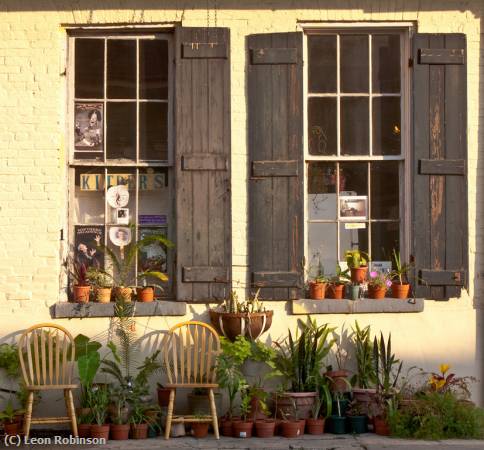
145	294
381	426
377	292
103	295
339	380
337	424
362	395
317	290
123	294
225	426
200	429
81	293
358	424
343	406
354	291
336	291
302	426
11	428
265	428
242	429
304	404
120	432
358	274
163	396
100	431
400	290
84	430
290	428
315	426
232	325
139	431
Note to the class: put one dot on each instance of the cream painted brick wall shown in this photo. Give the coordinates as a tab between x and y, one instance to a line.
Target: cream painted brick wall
32	155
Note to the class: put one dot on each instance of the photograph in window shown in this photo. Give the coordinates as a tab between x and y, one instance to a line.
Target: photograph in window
88	128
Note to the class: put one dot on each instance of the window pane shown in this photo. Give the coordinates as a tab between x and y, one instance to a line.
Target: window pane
121	70
322	191
322	247
322	63
117	236
153	66
354	63
89	196
153	257
353	178
386	126
121	130
322	126
125	212
354	126
154	201
89	70
351	238
385	63
385	190
384	238
153	138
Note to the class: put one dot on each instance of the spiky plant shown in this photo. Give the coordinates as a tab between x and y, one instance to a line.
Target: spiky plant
387	366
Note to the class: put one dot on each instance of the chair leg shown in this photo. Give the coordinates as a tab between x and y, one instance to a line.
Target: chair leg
169	414
213	410
71	411
28	414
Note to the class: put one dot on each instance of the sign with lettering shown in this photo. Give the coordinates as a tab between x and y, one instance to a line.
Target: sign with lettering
147	181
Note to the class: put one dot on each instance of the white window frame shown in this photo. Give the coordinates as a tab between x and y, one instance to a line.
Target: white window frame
405	30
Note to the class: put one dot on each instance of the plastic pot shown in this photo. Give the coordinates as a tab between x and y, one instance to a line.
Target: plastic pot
354	291
317	290
84	430
265	428
242	429
358	274
100	431
400	290
337	424
290	428
120	432
81	293
377	292
200	429
343	404
139	431
145	294
103	295
358	424
315	426
336	291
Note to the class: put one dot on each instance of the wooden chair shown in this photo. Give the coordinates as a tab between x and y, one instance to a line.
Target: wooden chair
46	353
190	350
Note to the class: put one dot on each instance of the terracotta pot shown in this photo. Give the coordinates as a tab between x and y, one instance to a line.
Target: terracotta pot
231	325
103	295
163	396
290	428
11	428
336	291
358	274
400	290
139	431
381	426
123	294
315	426
317	290
81	294
377	292
304	403
145	294
362	395
100	431
242	428
84	430
338	383
265	428
302	426
120	432
226	427
200	429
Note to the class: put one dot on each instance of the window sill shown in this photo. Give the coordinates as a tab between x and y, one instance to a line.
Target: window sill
362	306
64	310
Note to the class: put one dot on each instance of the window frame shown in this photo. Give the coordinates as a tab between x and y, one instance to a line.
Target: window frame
405	31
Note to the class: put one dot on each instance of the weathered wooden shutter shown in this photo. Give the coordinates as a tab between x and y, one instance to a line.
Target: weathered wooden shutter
440	232
276	164
202	141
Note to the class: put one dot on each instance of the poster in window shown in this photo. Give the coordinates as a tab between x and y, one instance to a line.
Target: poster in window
86	241
88	128
353	207
152	257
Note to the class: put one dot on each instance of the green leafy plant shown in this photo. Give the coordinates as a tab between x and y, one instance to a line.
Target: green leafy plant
387	367
365	376
77	272
253	304
356	259
98	402
88	361
400	271
8	414
244	407
9	360
99	278
119	399
324	400
340	277
356	408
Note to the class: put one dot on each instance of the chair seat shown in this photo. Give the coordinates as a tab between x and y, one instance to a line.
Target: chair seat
50	387
192	385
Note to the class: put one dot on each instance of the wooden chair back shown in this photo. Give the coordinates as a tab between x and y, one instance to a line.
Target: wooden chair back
190	351
46	352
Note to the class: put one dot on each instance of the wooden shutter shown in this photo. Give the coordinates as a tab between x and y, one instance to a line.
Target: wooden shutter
202	123
440	232
276	164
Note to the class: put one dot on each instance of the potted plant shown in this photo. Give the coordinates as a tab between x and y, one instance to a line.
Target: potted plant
145	293
81	289
357	262
365	379
243	428
357	417
102	283
119	417
338	420
378	285
339	377
400	285
99	402
315	424
337	283
7	417
199	429
291	425
264	427
138	419
354	291
84	422
248	318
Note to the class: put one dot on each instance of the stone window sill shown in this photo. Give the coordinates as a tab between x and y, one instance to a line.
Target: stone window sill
63	310
361	306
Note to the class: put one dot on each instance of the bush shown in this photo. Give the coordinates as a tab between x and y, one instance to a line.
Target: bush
438	416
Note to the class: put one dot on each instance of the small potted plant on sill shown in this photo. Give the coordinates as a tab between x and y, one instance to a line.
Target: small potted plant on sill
317	288
365	379
243	428
357	262
354	291
81	289
400	285
337	283
102	282
357	417
7	417
99	402
378	285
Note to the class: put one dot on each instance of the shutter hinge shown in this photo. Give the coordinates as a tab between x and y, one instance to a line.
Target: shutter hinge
410	62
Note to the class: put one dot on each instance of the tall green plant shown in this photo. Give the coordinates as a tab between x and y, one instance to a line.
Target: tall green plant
387	366
365	377
88	361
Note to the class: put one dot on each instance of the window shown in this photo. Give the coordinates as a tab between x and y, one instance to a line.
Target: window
120	105
356	144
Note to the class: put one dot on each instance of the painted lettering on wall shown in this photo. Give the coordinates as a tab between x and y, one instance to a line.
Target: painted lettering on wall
147	181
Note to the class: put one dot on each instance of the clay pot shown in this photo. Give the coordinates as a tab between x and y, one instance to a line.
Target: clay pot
381	426
163	396
226	427
358	274
317	290
338	383
145	294
231	325
265	428
200	429
315	426
336	291
400	290
120	432
123	294
304	403
290	428
100	431
377	292
84	430
11	428
139	431
103	295
242	429
81	293
362	395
